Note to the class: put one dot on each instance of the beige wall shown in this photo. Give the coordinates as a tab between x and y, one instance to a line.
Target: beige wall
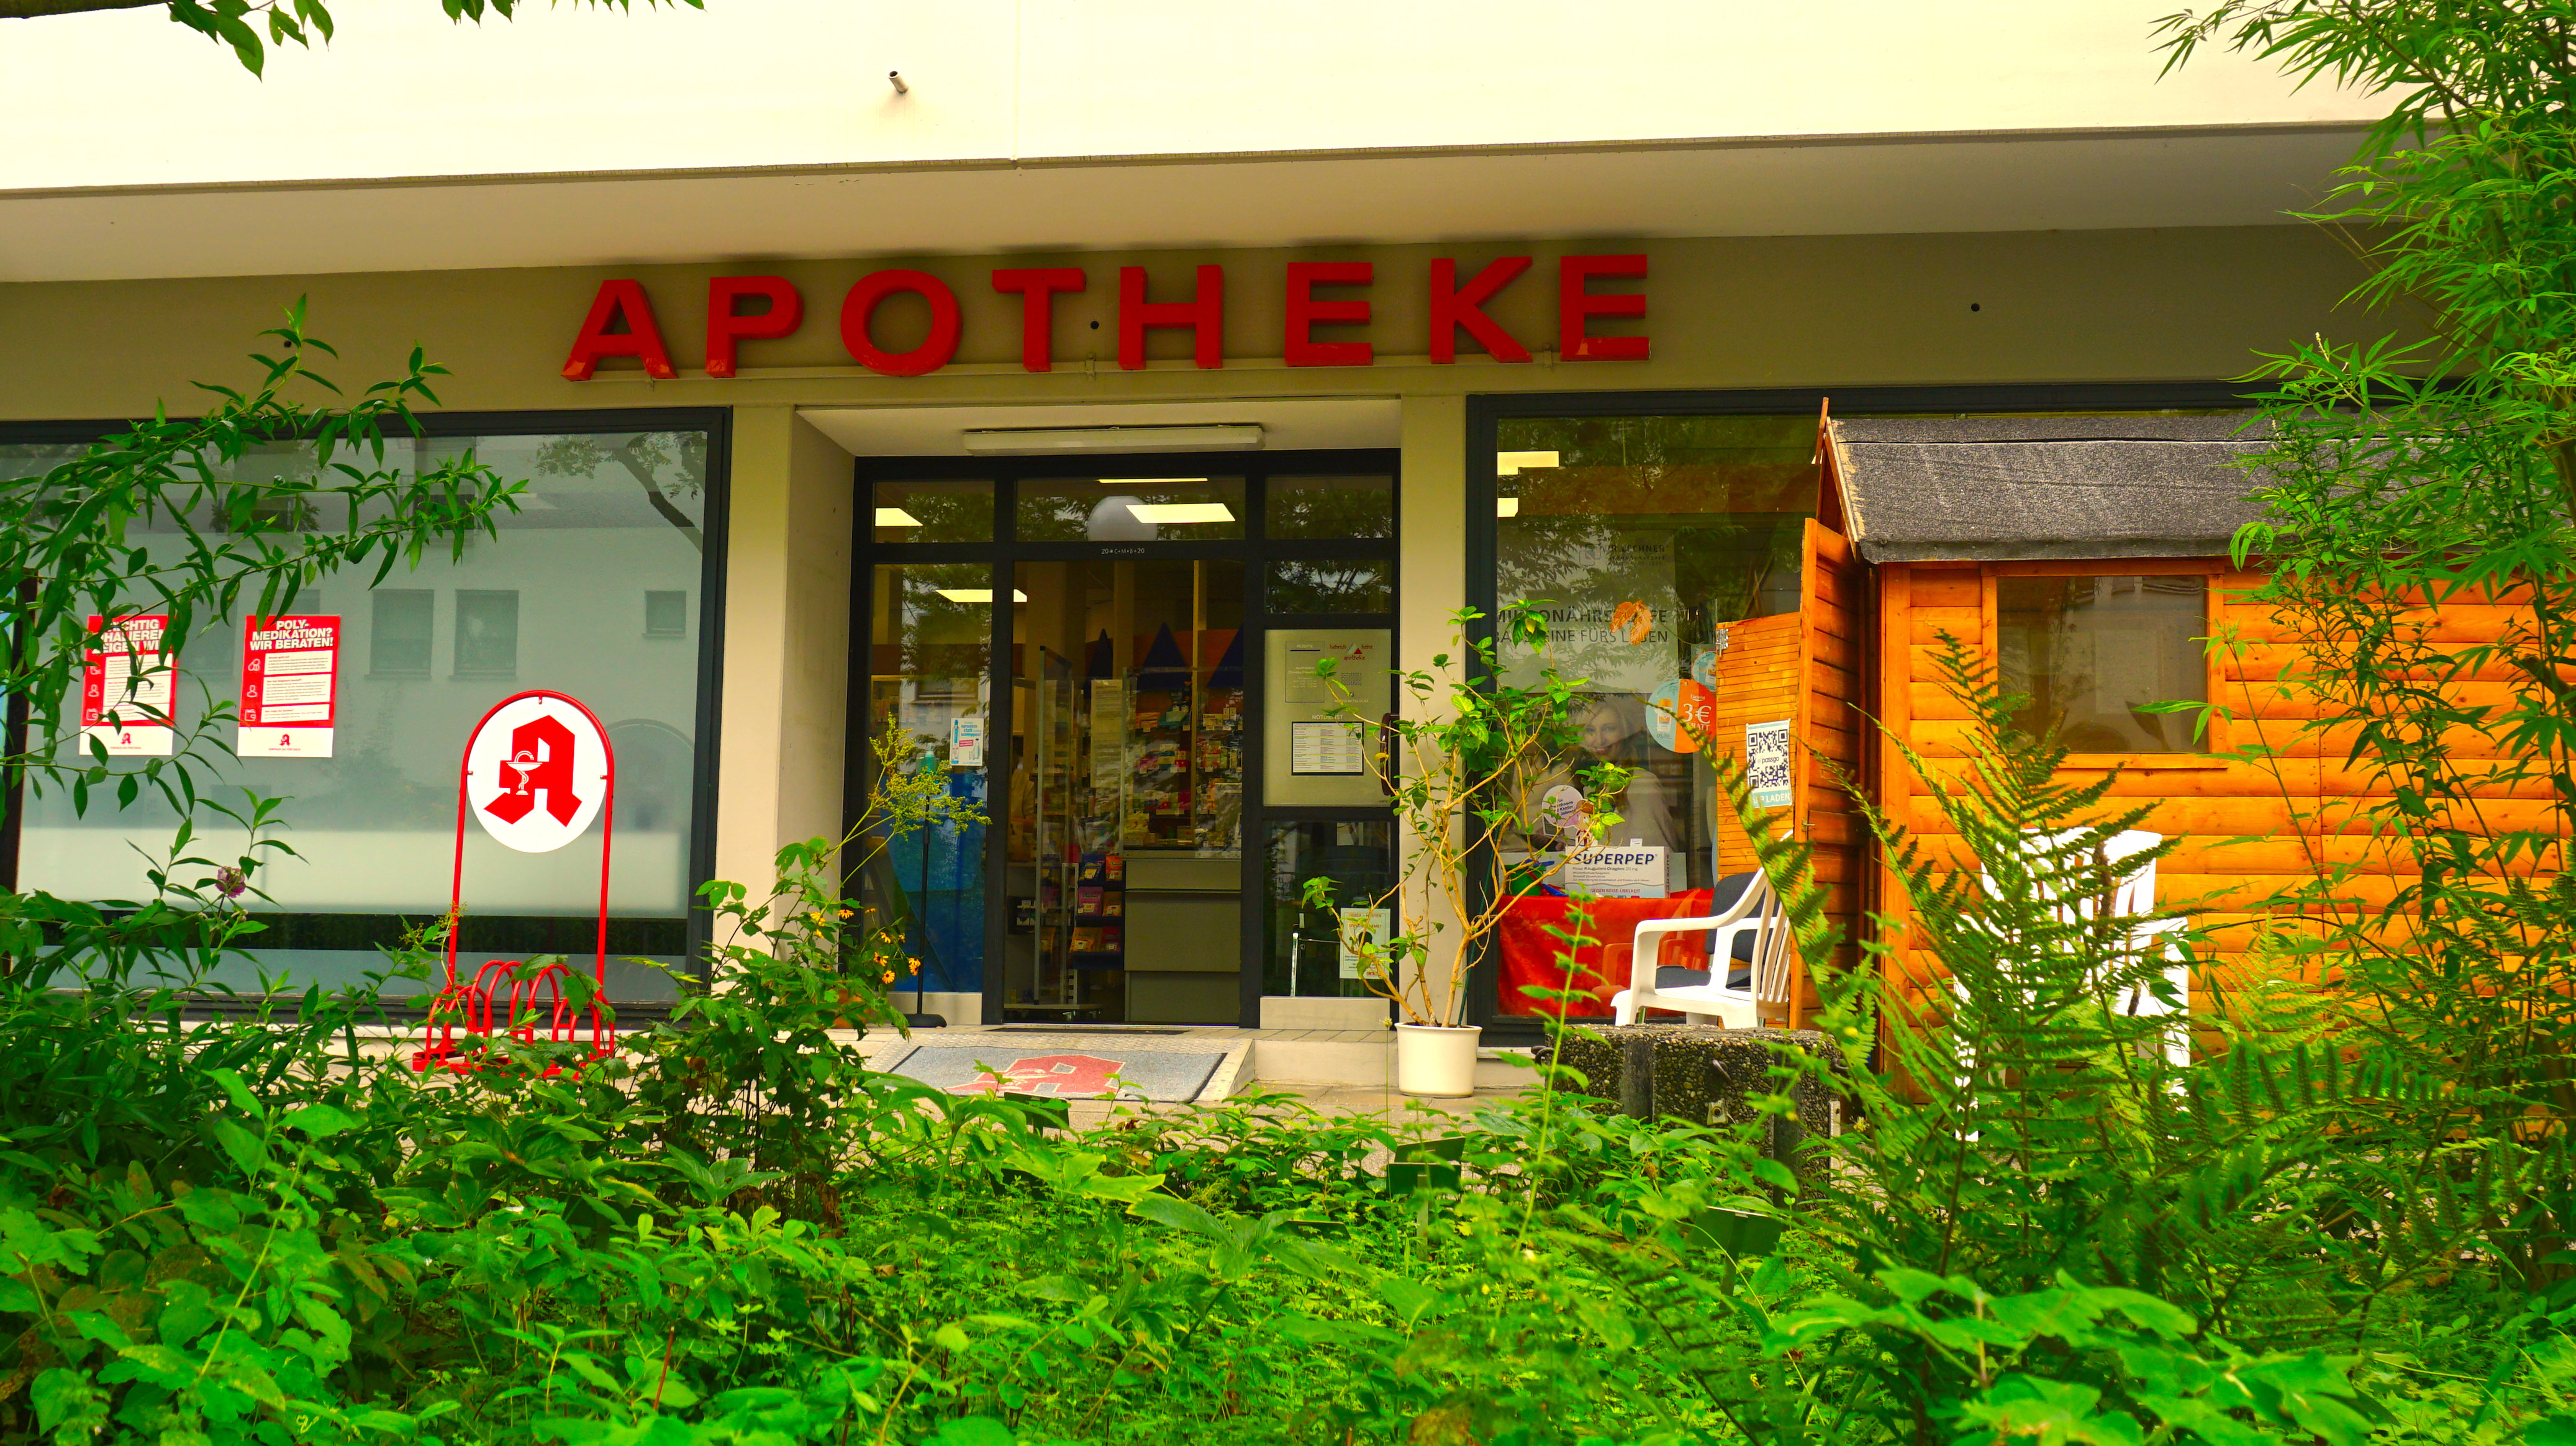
1432	564
1775	312
401	91
786	660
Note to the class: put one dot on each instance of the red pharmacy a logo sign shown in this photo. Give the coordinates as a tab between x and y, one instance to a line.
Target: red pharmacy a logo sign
536	772
540	762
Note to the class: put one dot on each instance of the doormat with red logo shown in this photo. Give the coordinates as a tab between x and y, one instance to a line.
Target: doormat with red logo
1072	1068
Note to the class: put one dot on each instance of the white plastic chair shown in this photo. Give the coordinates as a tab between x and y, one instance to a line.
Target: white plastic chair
2135	893
1756	912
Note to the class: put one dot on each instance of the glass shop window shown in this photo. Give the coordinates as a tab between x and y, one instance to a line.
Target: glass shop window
2090	653
1338	585
1131	509
1665	551
1330	507
933	511
373	824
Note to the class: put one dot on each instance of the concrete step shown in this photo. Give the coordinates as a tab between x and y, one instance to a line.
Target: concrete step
1362	1062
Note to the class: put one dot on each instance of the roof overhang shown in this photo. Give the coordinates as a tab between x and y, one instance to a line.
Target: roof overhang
1763	186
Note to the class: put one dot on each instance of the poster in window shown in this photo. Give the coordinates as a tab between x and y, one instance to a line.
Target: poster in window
290	685
1680	715
1371	926
127	688
1108	734
1634	870
1329	747
966	741
1766	762
1615	612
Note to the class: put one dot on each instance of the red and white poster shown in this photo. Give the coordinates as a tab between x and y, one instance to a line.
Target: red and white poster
127	687
290	686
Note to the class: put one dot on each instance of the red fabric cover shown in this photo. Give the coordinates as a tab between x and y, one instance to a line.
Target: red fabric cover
1530	952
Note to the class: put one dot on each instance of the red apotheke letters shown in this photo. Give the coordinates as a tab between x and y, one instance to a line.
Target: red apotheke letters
1306	312
620	321
727	329
860	307
1576	305
1453	307
641	339
1203	313
1037	286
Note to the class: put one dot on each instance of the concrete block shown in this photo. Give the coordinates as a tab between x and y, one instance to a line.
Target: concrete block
1368	1061
1705	1075
1323	1061
1280	1011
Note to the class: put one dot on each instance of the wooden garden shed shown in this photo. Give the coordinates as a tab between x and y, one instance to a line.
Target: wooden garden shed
2085	559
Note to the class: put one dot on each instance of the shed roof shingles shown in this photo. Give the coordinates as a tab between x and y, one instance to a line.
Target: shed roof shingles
2013	488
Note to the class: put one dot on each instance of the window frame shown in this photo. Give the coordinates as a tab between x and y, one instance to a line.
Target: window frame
2217	741
458	639
678	632
1007	550
377	597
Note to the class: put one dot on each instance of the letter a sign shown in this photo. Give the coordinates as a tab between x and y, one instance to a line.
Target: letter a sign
537	771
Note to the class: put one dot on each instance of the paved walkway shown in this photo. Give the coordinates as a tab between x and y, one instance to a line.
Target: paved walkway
1381	1099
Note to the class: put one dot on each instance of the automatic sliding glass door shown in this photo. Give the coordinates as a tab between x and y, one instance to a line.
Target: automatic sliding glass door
1129	749
1096	649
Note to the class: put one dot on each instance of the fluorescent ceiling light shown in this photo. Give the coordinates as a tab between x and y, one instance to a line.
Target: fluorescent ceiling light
1507	507
896	517
976	594
1509	464
1159	512
1146	481
1033	441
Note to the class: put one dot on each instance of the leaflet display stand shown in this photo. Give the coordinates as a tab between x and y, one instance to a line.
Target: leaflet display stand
537	769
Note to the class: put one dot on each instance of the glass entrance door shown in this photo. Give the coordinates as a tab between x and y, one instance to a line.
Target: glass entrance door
1090	657
1128	746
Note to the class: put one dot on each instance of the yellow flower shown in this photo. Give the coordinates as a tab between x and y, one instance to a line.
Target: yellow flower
817	916
916	966
845	913
889	976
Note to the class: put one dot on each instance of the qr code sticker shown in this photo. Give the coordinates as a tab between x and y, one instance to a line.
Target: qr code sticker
1766	763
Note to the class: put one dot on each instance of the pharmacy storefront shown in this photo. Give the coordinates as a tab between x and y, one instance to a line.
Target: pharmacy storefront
1080	526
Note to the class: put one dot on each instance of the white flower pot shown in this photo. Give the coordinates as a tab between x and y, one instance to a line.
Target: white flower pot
1436	1061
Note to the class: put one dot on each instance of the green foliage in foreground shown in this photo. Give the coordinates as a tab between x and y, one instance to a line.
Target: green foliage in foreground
734	1232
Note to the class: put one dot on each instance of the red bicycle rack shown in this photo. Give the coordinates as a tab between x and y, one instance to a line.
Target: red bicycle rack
537	768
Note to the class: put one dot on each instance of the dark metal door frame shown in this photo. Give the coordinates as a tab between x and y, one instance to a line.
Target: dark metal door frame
1256	550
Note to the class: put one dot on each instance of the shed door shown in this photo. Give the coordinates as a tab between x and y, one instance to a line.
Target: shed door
1785	702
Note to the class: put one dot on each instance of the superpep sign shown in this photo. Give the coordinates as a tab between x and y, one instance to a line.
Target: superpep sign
1332	294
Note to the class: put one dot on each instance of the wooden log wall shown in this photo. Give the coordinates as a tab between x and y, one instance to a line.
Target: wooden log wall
2247	829
1757	682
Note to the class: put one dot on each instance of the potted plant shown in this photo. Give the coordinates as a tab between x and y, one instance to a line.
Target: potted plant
1464	765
